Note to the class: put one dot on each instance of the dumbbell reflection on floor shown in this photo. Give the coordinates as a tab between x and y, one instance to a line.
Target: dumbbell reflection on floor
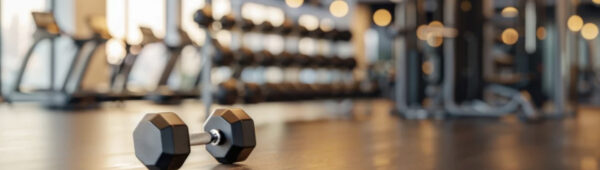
162	141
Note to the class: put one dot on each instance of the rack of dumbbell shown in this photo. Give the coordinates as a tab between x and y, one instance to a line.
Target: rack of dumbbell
257	72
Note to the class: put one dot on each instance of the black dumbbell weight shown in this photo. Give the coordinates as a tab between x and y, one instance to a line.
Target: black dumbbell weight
227	92
265	58
337	90
286	27
246	25
253	93
272	92
302	60
162	140
336	62
265	27
203	17
344	35
349	63
227	21
285	59
245	56
319	61
223	54
350	89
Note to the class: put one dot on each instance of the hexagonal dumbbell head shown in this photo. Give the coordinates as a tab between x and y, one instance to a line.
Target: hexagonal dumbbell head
237	135
161	141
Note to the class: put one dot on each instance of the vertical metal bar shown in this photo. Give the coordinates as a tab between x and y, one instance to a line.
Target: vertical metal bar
172	23
126	19
206	68
561	8
449	58
52	50
400	55
1	54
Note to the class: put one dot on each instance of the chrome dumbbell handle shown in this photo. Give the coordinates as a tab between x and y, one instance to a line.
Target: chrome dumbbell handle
212	137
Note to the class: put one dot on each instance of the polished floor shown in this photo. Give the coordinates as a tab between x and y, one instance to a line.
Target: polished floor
305	135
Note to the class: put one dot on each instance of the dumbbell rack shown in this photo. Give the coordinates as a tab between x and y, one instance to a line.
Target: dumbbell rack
204	19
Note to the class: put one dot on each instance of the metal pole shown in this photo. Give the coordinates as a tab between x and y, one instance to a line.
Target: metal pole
400	55
206	91
52	50
1	56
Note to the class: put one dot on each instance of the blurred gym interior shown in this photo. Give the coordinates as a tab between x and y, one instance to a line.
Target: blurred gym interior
299	84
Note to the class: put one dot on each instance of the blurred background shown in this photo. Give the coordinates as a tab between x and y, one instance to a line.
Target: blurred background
533	60
430	57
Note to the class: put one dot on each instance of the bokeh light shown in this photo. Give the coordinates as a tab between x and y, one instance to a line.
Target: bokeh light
382	17
338	8
510	36
541	33
510	12
589	31
575	23
310	22
294	3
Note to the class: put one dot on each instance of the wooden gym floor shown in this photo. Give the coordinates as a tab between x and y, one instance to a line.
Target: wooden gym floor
305	135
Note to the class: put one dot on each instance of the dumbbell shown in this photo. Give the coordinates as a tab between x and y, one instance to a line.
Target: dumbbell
344	35
162	141
337	90
273	92
285	59
320	90
302	60
245	56
336	62
329	34
227	21
295	91
265	58
253	93
283	92
286	28
304	32
348	63
325	90
229	91
319	61
306	91
203	17
265	26
246	25
223	54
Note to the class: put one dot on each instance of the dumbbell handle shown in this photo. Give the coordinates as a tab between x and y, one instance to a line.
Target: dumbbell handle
213	137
